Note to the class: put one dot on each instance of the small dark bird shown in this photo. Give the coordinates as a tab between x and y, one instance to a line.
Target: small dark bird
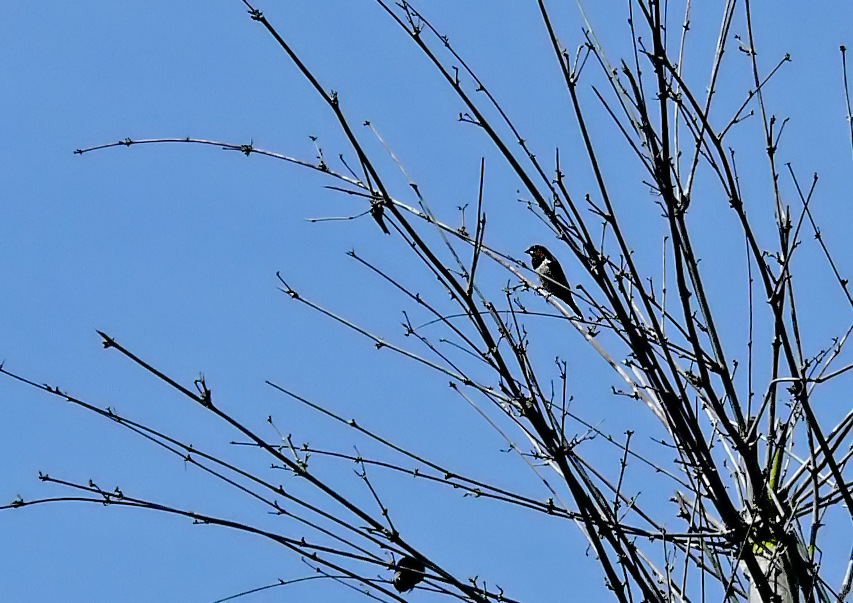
551	276
409	571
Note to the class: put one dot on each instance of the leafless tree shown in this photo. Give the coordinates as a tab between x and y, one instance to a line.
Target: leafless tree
740	460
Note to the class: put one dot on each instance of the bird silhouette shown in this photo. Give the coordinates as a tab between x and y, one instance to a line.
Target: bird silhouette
409	571
551	276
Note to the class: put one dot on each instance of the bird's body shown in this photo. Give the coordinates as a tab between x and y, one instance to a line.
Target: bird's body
551	276
408	572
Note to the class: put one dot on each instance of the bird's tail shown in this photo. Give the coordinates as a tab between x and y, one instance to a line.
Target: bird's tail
565	296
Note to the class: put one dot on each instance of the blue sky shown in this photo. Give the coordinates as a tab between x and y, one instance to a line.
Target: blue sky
173	250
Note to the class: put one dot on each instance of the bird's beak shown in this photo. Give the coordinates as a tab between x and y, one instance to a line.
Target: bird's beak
528	250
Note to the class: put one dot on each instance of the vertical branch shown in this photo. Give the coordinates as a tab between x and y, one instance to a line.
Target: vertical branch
480	231
847	92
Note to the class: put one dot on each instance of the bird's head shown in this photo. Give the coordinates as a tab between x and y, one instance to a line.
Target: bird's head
538	252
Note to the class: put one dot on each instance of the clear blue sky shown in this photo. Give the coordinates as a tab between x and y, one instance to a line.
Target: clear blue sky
173	250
